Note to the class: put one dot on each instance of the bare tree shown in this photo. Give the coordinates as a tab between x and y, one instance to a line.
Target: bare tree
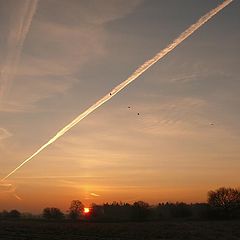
76	209
226	200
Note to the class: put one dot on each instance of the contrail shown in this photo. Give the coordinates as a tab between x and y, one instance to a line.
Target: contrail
15	43
130	79
9	188
17	197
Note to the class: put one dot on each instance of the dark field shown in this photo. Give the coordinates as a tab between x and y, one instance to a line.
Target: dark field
19	230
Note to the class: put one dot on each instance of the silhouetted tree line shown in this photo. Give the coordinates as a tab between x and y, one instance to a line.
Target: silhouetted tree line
223	203
13	214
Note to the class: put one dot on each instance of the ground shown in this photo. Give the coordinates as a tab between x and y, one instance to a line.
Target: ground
177	230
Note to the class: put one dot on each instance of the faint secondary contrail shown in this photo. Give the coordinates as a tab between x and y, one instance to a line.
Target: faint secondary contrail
16	40
130	79
9	188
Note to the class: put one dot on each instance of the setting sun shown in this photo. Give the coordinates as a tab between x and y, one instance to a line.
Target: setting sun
86	210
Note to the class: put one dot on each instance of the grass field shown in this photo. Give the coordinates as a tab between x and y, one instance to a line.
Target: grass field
195	230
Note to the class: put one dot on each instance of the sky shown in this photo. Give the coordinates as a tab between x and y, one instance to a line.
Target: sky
60	56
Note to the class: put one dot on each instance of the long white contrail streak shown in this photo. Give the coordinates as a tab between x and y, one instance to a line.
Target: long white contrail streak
122	85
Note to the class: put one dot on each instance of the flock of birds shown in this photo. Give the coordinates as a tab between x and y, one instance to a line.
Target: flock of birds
130	108
211	124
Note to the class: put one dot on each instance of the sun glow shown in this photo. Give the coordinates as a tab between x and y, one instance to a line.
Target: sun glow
86	210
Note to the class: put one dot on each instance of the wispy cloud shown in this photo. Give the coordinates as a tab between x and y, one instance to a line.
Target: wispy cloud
94	194
92	12
59	49
16	38
4	133
8	188
184	78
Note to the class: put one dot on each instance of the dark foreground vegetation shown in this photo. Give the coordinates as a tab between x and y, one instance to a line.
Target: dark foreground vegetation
217	219
173	230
